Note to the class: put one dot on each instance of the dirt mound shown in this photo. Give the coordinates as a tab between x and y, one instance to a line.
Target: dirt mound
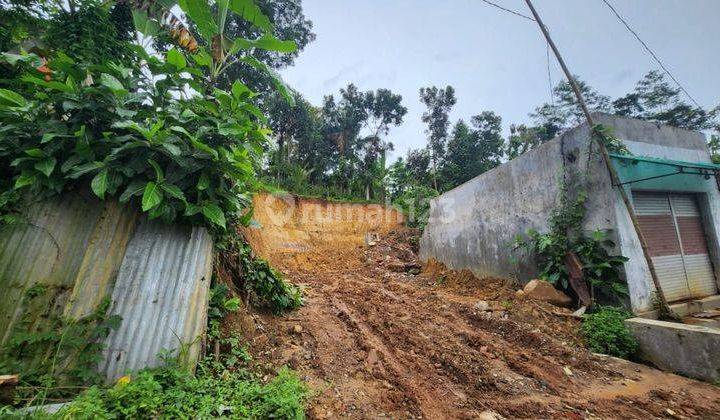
395	251
376	340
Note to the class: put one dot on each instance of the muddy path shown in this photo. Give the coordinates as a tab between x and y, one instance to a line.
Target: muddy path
375	341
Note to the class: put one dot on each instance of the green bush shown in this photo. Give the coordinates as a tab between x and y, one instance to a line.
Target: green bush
171	392
264	286
565	235
415	203
605	332
58	355
127	132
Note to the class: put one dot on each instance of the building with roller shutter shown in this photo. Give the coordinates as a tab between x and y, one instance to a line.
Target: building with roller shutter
669	178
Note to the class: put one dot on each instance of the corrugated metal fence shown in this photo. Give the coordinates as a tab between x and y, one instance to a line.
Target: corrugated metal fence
80	250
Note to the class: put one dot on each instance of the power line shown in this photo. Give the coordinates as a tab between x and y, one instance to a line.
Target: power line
516	13
550	83
652	53
508	10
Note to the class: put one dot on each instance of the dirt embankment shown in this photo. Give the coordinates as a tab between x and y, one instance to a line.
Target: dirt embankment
375	340
298	232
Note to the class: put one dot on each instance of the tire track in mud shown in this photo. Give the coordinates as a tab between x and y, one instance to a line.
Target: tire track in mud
375	343
460	382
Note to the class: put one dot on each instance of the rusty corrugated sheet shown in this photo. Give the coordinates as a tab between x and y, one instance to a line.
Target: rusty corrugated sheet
50	249
161	294
82	250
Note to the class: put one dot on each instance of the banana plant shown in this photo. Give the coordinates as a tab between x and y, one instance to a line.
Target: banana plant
216	52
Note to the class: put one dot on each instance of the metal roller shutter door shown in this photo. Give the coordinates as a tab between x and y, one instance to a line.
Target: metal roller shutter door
696	257
673	229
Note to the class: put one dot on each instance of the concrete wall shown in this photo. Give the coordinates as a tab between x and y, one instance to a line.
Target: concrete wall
473	225
689	350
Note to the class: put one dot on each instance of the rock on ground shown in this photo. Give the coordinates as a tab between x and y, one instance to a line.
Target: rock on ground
546	292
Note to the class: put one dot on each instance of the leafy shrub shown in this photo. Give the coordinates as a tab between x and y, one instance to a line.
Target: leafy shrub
415	203
126	133
550	249
264	286
605	332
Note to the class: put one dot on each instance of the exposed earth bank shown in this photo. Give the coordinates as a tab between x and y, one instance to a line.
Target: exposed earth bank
375	339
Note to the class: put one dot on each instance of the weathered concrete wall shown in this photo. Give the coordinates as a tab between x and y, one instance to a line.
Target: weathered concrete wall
689	350
288	226
75	251
473	225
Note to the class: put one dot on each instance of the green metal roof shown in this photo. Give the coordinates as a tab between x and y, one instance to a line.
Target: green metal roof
678	163
656	173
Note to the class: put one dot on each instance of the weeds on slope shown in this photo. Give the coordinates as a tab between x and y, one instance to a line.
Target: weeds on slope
261	285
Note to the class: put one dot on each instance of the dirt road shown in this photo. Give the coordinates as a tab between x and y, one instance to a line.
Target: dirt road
375	341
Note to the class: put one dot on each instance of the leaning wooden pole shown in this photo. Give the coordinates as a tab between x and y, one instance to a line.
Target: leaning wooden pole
606	158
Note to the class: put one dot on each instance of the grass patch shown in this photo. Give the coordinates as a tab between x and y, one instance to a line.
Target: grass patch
173	392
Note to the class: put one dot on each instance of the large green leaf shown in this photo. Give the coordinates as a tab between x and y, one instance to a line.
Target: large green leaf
144	24
274	77
202	58
173	191
46	166
35	152
99	184
200	12
13	59
252	13
49	84
214	214
203	182
78	171
266	42
25	179
159	176
238	88
135	188
176	58
10	98
152	196
112	83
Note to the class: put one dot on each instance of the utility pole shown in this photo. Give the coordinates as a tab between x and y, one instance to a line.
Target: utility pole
606	159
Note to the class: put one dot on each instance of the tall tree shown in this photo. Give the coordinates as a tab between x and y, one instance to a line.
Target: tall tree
654	99
439	102
523	138
294	125
472	151
564	111
356	124
383	109
418	164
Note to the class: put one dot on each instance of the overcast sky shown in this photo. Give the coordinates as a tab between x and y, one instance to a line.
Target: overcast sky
497	61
